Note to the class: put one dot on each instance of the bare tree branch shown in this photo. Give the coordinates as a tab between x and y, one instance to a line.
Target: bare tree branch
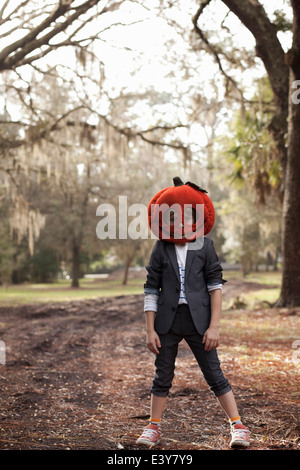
268	47
44	132
253	16
18	53
212	49
3	8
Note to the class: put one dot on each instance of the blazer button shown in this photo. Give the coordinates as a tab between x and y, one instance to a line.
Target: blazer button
173	309
177	289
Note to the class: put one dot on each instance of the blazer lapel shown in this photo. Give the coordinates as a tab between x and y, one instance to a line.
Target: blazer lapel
189	258
172	255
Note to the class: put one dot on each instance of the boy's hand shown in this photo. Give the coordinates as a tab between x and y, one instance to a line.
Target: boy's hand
153	341
211	338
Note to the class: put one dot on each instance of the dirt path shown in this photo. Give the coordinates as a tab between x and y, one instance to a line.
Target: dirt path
77	376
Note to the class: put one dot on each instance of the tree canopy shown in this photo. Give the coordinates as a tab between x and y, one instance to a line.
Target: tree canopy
95	92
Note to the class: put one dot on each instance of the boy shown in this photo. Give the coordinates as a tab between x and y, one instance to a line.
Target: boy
183	299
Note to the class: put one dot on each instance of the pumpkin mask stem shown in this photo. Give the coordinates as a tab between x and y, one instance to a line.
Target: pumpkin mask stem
177	181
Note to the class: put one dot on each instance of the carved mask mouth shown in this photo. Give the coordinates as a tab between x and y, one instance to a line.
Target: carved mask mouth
180	223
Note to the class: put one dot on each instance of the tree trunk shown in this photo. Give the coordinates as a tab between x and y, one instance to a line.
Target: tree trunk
290	289
126	271
282	71
275	267
268	48
75	265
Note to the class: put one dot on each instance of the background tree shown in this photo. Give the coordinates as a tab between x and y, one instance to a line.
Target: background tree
251	150
290	295
126	118
283	71
59	109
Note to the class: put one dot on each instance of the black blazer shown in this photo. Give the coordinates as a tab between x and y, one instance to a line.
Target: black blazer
202	268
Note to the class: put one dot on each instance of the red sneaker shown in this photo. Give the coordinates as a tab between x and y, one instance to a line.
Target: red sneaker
150	436
239	436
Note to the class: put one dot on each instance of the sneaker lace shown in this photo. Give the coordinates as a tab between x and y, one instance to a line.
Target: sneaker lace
150	433
240	433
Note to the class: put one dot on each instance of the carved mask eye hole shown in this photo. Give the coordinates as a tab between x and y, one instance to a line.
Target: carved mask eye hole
190	215
170	217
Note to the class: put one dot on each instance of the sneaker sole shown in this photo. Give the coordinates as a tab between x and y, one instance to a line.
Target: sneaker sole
239	444
146	442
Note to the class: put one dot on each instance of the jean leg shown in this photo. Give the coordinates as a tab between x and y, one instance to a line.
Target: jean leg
209	364
165	364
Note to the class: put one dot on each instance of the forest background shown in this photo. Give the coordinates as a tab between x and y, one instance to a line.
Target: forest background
98	97
104	98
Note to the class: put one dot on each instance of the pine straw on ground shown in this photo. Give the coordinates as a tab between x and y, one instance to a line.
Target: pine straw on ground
78	374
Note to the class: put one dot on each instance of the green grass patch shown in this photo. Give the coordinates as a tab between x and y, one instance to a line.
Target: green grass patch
61	291
256	298
269	278
261	277
251	297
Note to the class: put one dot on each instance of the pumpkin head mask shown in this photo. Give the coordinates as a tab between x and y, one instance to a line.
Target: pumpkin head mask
181	213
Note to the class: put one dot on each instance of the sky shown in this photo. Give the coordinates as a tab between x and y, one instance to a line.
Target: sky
135	55
146	40
137	58
141	44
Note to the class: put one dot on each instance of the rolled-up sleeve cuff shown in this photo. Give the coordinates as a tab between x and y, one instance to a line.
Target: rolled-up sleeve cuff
150	302
150	290
214	274
211	287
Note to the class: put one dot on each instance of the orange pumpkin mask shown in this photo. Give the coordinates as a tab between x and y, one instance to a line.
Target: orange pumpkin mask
181	213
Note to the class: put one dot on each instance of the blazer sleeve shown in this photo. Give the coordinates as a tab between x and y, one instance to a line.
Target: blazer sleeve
213	269
154	269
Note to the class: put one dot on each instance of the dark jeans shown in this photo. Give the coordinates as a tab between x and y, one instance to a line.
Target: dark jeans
183	328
